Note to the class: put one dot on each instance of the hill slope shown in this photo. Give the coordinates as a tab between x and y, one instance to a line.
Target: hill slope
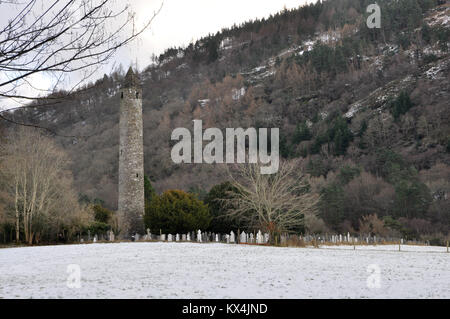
367	109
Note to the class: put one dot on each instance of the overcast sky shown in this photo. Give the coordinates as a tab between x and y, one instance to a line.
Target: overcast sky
182	21
179	23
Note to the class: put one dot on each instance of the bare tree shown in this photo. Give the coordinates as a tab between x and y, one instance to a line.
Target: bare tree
39	182
59	38
274	203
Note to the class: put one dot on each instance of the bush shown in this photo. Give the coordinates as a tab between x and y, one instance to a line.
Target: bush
102	214
176	212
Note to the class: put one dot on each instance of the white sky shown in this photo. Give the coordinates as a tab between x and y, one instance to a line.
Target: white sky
182	21
179	23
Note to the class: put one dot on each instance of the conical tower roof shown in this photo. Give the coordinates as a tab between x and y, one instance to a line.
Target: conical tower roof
131	79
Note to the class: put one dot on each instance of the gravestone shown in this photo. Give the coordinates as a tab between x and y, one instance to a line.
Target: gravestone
95	238
199	236
177	237
227	238
137	237
259	238
111	236
163	237
251	238
188	237
217	238
183	237
243	238
232	238
149	235
266	238
169	238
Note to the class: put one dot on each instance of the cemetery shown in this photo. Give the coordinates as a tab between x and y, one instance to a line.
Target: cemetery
206	265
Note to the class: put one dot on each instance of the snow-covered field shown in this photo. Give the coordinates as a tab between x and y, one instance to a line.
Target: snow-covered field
188	270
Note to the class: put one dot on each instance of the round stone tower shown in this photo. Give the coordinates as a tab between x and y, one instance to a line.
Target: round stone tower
131	158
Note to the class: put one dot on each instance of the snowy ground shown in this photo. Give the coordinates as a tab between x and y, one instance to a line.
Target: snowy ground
188	270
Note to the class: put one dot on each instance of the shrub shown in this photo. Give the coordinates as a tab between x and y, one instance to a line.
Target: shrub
176	212
102	214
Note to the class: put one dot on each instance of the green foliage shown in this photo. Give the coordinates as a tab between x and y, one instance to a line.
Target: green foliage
347	174
316	167
392	223
98	228
412	199
332	205
329	59
220	223
429	58
443	36
102	214
401	105
392	167
302	133
200	192
149	191
403	40
212	47
285	148
340	135
176	212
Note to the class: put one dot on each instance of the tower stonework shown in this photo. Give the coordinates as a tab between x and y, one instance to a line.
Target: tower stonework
131	158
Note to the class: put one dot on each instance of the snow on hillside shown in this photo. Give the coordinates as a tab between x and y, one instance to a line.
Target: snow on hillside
187	270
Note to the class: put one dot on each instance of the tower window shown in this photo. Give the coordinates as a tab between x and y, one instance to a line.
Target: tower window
137	95
137	175
121	95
